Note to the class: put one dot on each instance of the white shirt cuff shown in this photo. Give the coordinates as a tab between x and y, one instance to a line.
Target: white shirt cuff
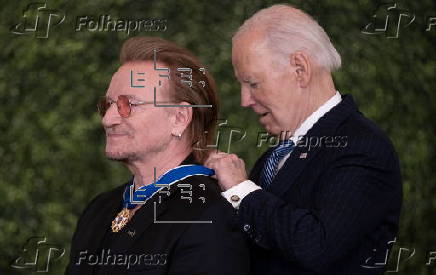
235	194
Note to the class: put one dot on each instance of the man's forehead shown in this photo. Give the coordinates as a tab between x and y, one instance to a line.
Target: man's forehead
251	39
249	57
136	79
140	67
247	47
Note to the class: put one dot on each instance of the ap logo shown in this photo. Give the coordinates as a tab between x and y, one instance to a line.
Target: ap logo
38	19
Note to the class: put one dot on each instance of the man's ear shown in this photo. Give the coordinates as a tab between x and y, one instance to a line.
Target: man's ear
182	117
303	67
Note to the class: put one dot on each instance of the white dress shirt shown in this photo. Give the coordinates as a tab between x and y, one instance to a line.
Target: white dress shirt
235	194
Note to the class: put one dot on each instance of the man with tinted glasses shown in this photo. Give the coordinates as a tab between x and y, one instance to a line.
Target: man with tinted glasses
327	199
170	217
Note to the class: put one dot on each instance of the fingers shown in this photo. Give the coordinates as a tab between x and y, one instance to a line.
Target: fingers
229	169
214	156
224	160
218	156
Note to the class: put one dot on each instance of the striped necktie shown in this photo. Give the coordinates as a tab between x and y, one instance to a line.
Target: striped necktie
270	169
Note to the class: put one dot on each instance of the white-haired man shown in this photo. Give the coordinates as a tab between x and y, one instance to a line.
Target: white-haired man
327	199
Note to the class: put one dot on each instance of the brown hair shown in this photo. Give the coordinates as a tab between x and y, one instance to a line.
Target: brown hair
202	128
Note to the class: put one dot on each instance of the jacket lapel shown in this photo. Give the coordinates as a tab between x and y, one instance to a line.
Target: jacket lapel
96	227
147	215
143	218
292	168
102	221
301	156
136	227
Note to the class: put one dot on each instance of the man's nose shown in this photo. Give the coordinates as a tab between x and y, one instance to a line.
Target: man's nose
247	99
112	117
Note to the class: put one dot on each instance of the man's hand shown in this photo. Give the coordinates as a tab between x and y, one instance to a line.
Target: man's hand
229	169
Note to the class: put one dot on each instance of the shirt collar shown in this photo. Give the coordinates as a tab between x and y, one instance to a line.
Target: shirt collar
315	116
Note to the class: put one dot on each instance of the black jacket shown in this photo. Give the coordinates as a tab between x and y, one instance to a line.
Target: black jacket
162	237
333	208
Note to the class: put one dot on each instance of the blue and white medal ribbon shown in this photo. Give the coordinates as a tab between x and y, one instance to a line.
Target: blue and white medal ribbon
132	198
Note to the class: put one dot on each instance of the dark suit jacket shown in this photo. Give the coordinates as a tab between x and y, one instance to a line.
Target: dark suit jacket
331	209
154	242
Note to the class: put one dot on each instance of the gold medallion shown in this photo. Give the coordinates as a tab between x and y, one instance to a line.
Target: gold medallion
120	220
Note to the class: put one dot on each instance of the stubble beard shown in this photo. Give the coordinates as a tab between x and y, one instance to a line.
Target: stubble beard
121	156
129	156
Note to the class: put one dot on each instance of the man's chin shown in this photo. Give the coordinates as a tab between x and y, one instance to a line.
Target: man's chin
271	130
120	156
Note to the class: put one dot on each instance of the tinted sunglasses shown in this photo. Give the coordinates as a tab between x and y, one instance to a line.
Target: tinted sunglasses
124	105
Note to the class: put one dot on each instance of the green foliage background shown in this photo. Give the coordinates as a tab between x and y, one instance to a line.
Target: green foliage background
51	141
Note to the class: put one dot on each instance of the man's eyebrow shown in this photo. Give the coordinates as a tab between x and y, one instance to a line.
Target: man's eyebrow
244	77
129	96
132	97
248	79
240	78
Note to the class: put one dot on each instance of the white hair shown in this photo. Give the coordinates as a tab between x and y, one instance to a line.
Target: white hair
287	30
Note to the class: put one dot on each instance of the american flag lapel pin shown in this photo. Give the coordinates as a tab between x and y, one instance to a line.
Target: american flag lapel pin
303	155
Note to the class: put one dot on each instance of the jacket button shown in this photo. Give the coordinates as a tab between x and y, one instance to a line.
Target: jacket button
247	227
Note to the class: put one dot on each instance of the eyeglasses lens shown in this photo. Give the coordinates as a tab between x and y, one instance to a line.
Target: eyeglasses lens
123	106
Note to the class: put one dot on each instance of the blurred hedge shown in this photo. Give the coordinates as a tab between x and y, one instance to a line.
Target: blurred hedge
51	141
